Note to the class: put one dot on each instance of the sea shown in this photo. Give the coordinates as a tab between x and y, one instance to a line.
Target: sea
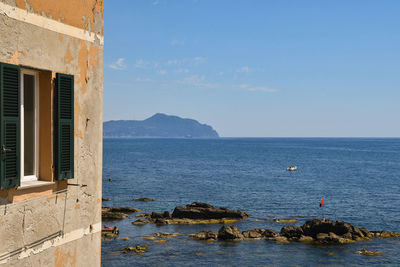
359	179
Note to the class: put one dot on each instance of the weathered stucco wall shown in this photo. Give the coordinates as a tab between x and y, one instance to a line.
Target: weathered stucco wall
62	229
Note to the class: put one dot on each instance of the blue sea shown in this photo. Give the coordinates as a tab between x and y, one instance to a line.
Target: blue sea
359	180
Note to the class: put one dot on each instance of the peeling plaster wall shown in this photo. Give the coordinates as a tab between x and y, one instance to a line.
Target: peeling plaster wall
77	213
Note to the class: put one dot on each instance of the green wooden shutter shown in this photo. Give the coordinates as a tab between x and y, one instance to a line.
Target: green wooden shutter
64	127
10	126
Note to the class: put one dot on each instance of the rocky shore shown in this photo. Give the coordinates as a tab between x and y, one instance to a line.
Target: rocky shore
316	231
195	213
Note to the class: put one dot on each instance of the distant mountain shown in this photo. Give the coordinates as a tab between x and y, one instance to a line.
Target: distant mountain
159	125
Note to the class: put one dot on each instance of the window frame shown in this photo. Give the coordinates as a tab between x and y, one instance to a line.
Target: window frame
35	74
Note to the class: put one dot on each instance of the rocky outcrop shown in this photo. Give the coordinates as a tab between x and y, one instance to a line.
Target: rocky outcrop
365	252
339	228
292	232
198	210
143	199
229	233
195	213
116	213
205	235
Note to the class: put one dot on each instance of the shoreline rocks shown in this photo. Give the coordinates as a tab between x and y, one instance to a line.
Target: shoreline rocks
144	199
116	213
198	210
315	231
195	213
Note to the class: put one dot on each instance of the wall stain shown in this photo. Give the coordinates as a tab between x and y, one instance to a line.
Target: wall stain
66	11
65	258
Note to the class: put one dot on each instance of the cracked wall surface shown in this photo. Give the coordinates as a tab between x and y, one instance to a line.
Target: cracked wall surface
48	229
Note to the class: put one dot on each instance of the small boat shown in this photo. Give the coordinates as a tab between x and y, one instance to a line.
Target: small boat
291	168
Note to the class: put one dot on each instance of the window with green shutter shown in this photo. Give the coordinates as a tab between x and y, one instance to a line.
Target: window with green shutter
64	127
10	126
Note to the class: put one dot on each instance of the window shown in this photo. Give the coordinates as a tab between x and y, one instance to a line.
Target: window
36	126
29	126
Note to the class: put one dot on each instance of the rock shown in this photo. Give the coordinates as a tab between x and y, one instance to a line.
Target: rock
166	235
304	238
166	215
140	222
269	233
287	221
369	252
110	179
113	216
116	213
253	233
279	239
342	229
143	199
124	238
205	235
156	215
292	232
160	241
137	249
161	222
198	210
322	236
229	233
120	209
105	199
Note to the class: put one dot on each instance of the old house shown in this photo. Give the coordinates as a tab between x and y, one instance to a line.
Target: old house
51	89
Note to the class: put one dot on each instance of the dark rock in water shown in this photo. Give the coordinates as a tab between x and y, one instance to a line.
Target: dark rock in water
229	233
144	199
113	216
166	215
316	226
137	249
383	234
161	221
292	232
268	233
140	222
205	235
157	215
120	209
116	213
253	233
105	199
110	179
198	210
369	252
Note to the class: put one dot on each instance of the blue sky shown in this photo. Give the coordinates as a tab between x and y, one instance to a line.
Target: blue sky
257	68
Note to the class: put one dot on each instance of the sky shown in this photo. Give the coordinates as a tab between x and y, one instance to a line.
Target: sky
257	68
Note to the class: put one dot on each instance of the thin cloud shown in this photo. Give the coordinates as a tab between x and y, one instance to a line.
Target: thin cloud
182	71
244	69
162	72
177	43
257	88
118	65
155	3
143	64
139	79
197	81
199	60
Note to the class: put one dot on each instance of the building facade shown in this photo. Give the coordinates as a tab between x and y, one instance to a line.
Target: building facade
51	98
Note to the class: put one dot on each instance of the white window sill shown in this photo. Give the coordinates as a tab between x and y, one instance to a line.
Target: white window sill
32	184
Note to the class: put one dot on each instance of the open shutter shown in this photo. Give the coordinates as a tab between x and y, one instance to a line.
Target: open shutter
10	126
64	127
